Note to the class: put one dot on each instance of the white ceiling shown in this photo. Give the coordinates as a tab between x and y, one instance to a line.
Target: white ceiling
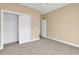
45	7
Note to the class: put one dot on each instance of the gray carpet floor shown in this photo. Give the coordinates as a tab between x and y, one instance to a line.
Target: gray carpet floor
41	47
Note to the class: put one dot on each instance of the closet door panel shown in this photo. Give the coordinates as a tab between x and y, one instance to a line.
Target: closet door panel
10	28
24	29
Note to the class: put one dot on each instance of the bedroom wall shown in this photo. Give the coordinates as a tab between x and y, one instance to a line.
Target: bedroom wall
22	9
63	24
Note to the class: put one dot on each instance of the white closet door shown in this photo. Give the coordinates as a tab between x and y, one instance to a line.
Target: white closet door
24	29
10	28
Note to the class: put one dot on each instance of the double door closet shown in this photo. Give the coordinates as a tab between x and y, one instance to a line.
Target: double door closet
14	27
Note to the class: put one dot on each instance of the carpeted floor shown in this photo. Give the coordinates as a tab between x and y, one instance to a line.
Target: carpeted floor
40	47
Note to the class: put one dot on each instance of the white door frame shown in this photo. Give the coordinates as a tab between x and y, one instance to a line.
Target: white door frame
2	13
1	30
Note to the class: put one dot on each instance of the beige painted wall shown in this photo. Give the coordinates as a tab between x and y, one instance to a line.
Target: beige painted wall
22	9
64	23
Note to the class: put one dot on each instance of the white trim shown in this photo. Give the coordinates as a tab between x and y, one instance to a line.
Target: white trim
1	48
35	39
8	11
1	30
27	42
65	42
32	40
13	12
11	42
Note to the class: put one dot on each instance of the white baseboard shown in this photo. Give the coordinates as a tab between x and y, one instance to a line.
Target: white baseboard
1	48
27	42
35	39
31	40
65	42
11	42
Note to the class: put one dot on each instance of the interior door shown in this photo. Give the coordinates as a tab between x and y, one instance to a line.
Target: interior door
24	29
43	28
10	27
